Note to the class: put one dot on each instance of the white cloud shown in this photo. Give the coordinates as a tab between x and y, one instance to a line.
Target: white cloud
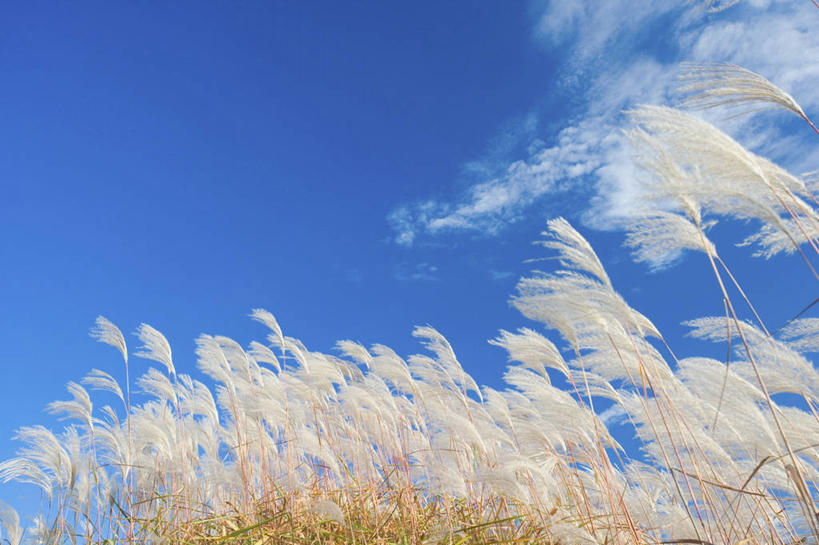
490	205
418	272
781	45
613	415
591	29
501	275
606	67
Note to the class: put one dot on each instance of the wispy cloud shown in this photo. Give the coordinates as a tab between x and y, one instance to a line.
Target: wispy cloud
490	205
613	415
417	272
501	275
589	31
609	65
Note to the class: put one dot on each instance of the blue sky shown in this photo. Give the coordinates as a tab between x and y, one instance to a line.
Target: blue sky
356	168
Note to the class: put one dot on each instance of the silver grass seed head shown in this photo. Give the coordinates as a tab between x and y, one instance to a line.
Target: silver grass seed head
156	384
780	237
659	237
155	347
100	380
574	250
355	351
106	332
327	509
263	354
263	316
533	350
802	334
692	158
23	470
10	522
79	408
713	85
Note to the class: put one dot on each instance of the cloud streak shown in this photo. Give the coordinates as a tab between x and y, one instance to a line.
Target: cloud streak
609	66
489	206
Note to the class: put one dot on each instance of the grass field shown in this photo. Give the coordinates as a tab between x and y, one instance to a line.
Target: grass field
281	444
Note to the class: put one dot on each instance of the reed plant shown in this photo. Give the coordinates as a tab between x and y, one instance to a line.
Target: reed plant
283	444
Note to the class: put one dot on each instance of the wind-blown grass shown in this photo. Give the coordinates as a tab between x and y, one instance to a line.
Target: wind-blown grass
282	444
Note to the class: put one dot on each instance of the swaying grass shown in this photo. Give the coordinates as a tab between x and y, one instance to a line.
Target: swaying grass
286	445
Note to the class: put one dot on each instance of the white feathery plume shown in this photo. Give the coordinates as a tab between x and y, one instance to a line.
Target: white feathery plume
358	399
497	407
811	180
263	354
429	376
435	342
773	240
211	360
312	450
566	532
802	334
533	350
659	238
80	479
677	183
744	426
155	347
10	521
198	400
108	333
45	450
24	470
728	168
494	434
255	369
456	428
618	355
694	160
100	380
79	407
570	301
714	85
42	533
235	356
719	329
325	371
297	350
650	498
348	369
355	351
327	509
670	218
502	481
803	428
265	317
783	369
265	401
154	434
111	441
670	184
391	367
157	384
559	417
574	303
574	250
